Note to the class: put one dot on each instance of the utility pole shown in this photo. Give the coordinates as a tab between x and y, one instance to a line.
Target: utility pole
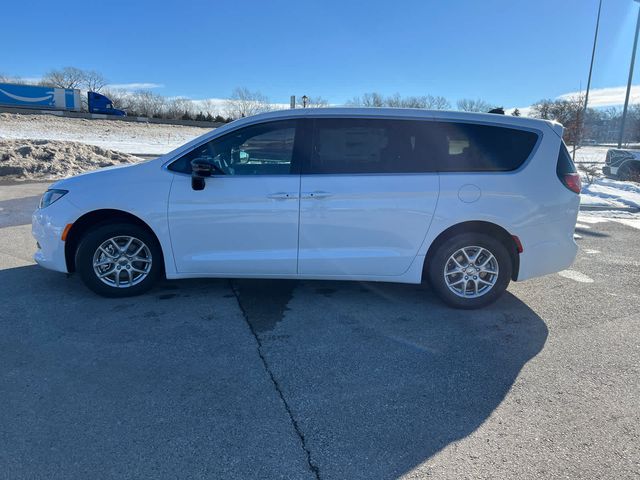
626	100
586	97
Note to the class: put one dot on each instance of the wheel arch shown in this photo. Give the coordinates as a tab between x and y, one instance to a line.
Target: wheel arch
633	163
488	228
92	219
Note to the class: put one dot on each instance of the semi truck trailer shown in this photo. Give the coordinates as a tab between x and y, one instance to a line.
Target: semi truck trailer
52	98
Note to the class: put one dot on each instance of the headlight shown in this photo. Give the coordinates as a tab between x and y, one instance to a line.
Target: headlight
51	196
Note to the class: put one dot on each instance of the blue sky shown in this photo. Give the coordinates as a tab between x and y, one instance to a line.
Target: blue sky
508	52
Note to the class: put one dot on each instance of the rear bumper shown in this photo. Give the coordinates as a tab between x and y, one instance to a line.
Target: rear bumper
610	171
548	249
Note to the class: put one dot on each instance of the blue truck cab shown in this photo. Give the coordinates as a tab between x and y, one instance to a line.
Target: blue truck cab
98	103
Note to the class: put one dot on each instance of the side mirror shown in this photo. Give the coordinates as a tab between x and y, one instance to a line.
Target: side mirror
200	169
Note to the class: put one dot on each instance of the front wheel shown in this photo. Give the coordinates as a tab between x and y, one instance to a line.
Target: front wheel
119	260
470	270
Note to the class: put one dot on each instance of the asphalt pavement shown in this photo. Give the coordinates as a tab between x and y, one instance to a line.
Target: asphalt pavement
330	380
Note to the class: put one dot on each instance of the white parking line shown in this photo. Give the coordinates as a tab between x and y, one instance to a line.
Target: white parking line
575	276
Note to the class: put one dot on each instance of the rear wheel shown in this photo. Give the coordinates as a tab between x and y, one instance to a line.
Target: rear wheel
119	260
470	270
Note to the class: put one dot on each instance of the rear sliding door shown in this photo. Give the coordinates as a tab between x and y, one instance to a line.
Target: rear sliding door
368	195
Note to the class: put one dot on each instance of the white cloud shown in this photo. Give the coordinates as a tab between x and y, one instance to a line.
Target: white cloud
608	97
598	97
135	86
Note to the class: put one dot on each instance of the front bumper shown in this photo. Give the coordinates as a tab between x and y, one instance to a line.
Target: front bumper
47	226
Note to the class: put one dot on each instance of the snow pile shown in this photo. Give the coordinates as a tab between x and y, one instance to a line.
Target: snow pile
49	160
130	137
604	192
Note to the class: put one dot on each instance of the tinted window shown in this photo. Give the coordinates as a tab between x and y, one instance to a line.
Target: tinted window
369	146
407	146
565	165
265	149
466	147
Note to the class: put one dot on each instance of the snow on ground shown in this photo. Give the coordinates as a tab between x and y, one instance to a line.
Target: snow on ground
627	218
31	160
605	192
129	137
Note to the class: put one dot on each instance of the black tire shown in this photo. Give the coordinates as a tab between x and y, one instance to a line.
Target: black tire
95	237
629	172
441	258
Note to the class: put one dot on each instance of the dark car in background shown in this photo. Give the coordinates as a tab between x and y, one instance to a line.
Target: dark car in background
622	164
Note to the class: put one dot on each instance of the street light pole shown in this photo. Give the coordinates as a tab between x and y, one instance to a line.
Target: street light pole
593	55
626	100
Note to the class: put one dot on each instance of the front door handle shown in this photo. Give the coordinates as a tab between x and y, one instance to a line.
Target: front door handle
318	194
281	196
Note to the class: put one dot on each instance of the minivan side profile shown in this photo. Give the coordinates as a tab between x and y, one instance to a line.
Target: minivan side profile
466	201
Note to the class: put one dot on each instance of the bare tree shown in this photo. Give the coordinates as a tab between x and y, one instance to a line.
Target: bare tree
145	103
72	77
543	109
312	102
210	106
68	77
393	101
375	99
567	111
372	99
93	81
10	79
471	105
437	103
119	97
244	103
177	107
413	102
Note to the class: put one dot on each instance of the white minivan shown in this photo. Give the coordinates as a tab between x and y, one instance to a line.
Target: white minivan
466	201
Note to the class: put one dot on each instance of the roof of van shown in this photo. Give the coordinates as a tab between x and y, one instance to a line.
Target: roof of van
405	113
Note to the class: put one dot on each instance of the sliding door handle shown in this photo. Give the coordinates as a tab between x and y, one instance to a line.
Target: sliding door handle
317	195
281	196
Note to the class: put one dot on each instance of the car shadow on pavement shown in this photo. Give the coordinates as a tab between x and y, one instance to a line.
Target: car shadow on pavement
380	377
376	378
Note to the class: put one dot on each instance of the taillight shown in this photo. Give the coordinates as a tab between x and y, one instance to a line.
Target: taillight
566	170
572	181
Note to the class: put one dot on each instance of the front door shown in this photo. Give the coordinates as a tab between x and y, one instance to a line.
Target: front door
245	221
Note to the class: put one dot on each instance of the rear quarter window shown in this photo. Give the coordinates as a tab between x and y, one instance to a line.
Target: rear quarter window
466	147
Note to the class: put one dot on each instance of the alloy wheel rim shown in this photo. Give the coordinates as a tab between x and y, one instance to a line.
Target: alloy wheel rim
471	272
122	261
